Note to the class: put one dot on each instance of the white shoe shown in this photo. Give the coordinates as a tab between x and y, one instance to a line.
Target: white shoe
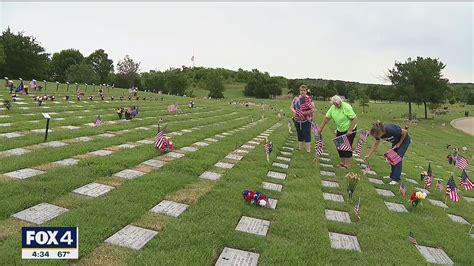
393	182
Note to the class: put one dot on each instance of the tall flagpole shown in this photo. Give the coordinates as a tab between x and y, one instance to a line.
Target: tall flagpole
193	57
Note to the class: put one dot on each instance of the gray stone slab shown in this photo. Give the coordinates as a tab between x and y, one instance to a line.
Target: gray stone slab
154	163
220	136
170	208
210	175
5	124
67	162
224	165
201	144
70	127
396	207
241	151
175	134
211	140
233	156
411	181
434	255
16	152
376	181
372	172
333	197
423	190
458	219
438	203
106	135
327	173
235	257
273	203
42	130
54	144
40	213
226	134
11	135
326	165
285	159
24	173
128	174
276	175
272	186
175	155
346	242
326	183
133	237
285	153
327	160
145	141
338	216
468	199
101	153
280	165
126	146
359	160
189	149
93	190
245	146
384	192
288	148
253	142
83	139
253	226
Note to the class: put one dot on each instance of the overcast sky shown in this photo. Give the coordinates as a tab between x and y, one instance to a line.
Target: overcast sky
347	41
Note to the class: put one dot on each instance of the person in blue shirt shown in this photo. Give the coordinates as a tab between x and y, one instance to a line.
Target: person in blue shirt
399	139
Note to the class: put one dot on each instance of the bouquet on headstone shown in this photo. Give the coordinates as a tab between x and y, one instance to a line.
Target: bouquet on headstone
416	198
167	146
352	180
255	198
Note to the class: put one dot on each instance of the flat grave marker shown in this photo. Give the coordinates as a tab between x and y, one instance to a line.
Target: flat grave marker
66	162
126	146
285	159
326	165
82	139
346	242
241	151
189	149
145	141
396	207
210	175
16	152
434	255
327	173
224	165
170	208
54	144
24	173
128	174
93	190
333	197
468	199
245	146
285	153
280	165
11	135
458	219
40	213
253	226
233	257
70	127
273	203
412	181
154	163
376	181
322	159
384	192
276	175
272	186
133	237
326	183
174	155
101	153
338	216
438	203
201	144
233	156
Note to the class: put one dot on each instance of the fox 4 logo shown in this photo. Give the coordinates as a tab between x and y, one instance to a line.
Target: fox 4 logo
49	237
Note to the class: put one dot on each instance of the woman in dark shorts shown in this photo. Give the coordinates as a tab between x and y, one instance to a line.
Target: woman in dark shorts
400	141
303	109
346	124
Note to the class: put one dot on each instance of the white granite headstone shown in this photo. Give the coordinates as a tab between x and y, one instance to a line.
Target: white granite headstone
54	144
16	152
170	208
341	241
434	255
333	197
11	135
145	141
438	203
93	190
132	237
40	213
458	219
276	175
101	153
154	163
326	183
175	155
384	192
376	181
285	159
67	162
126	146
235	257
253	226
272	186
235	157
224	165
396	207
338	216
327	173
280	165
189	149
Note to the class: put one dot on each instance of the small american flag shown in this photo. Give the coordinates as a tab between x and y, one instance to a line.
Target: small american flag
461	162
269	147
428	178
364	135
160	139
465	181
403	189
358	149
392	157
439	185
319	149
98	121
357	209
452	190
172	108
366	170
342	143
412	239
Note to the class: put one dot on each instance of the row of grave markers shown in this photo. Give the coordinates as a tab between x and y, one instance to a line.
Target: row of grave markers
45	212
232	256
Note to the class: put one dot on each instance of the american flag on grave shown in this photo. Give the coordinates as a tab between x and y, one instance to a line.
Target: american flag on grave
160	139
461	162
364	135
465	181
392	157
403	189
452	190
439	185
357	209
342	143
172	108
319	148
358	149
98	121
268	147
428	178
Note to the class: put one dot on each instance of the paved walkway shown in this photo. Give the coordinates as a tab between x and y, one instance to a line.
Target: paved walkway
464	124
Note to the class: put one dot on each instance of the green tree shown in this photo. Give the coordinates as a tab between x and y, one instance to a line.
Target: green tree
23	56
419	81
363	100
101	64
82	73
60	62
176	82
215	84
127	71
154	81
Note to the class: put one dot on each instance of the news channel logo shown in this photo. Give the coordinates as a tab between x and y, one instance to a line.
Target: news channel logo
50	243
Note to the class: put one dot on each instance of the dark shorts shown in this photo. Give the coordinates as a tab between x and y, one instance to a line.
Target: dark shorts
346	154
304	131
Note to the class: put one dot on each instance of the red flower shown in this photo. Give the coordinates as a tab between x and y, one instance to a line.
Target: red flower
413	197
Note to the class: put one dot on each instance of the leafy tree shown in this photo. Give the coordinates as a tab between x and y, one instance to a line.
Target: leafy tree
176	82
127	70
470	98
154	81
82	73
22	56
215	84
341	88
101	64
419	81
60	63
363	100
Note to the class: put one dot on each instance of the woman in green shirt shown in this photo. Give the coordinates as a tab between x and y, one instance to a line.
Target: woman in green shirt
346	123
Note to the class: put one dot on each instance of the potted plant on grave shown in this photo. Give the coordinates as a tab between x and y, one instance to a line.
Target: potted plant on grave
352	181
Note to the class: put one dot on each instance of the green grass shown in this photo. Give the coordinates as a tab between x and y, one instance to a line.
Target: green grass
298	233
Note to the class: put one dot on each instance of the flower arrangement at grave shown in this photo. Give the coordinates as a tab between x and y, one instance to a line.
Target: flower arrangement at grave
255	198
352	181
167	146
416	198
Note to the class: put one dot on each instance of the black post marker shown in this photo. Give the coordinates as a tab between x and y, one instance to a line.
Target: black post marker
47	117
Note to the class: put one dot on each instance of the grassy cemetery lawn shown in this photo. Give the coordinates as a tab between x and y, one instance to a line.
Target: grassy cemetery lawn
186	207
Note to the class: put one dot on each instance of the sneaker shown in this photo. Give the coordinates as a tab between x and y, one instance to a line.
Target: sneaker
393	182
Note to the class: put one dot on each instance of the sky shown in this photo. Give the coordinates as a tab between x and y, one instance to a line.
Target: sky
345	41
